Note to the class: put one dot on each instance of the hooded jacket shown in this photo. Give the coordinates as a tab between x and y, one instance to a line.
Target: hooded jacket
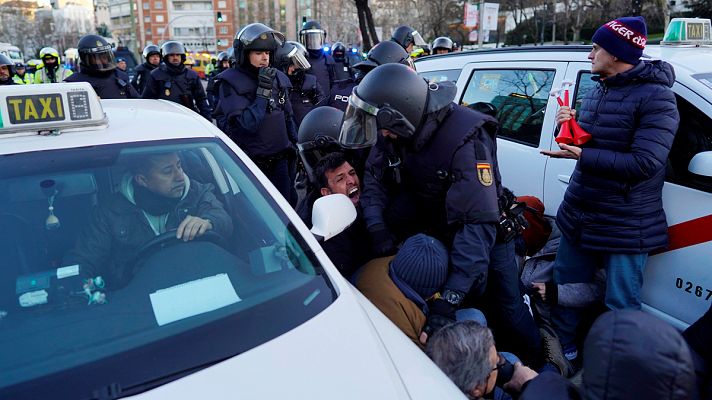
614	199
629	354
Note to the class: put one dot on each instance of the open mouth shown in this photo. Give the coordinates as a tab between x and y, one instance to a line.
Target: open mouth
353	192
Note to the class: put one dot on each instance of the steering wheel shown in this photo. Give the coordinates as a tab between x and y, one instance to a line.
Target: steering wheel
169	238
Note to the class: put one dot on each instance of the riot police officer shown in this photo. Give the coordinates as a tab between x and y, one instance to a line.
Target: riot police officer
312	36
222	63
342	69
22	77
51	72
434	170
253	107
408	38
6	72
173	81
442	45
152	57
382	53
306	93
98	67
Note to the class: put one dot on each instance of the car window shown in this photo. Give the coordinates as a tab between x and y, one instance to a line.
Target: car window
518	98
93	279
441	76
583	85
693	136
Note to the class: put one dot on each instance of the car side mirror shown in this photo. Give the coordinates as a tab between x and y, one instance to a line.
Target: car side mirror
701	164
331	215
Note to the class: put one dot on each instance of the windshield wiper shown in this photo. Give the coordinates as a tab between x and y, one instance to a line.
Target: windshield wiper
115	391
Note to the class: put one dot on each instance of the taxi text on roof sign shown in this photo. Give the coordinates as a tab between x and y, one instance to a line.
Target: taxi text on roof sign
688	31
49	108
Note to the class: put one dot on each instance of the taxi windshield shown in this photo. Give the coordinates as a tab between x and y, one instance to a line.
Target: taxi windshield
125	266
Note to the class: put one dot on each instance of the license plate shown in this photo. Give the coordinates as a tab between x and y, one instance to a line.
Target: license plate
35	108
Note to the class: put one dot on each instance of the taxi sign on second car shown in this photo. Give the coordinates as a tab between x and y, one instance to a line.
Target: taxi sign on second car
33	109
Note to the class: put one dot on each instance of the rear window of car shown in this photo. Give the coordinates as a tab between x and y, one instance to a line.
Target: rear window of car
95	283
441	76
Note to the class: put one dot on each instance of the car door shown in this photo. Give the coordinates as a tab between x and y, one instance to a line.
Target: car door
677	284
517	93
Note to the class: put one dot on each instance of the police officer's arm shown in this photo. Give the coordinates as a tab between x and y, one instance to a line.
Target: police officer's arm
134	81
470	258
374	198
151	89
292	128
320	98
658	121
201	100
131	92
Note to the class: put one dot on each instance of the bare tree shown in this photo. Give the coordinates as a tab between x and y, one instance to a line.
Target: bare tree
365	22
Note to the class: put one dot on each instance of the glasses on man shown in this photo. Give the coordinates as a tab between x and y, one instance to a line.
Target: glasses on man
501	362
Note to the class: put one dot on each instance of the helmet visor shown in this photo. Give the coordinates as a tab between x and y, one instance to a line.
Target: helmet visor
360	128
418	39
298	59
103	61
313	39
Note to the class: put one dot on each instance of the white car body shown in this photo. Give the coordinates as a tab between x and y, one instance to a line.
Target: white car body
348	351
677	283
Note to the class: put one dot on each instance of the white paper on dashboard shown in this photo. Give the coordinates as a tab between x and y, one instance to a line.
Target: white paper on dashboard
192	298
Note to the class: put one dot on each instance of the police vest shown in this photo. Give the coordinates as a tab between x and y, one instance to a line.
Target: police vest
142	73
113	86
238	91
176	88
340	92
304	99
322	68
457	168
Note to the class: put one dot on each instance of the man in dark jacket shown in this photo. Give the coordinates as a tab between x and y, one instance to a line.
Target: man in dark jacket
630	354
157	197
612	213
173	81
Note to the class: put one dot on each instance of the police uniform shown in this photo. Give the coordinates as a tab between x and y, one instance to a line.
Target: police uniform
304	96
181	87
263	128
141	76
340	92
322	67
447	184
110	85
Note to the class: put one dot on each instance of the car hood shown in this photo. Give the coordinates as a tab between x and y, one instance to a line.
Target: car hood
348	351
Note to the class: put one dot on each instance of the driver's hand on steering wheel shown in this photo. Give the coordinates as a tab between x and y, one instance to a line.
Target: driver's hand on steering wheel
192	227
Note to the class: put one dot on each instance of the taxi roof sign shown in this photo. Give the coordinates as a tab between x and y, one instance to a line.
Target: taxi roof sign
49	108
688	31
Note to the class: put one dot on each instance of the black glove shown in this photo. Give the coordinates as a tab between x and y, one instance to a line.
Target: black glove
382	241
440	314
265	77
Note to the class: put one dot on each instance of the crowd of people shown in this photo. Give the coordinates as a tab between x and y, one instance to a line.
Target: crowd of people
458	262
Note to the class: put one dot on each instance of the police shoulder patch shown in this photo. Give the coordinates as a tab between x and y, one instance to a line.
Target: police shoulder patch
484	173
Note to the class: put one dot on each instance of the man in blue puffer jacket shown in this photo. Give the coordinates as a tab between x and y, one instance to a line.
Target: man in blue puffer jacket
612	213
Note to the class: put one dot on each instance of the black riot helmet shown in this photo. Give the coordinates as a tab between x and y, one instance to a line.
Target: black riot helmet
442	43
95	54
256	37
383	53
231	56
312	36
318	136
338	52
405	36
150	50
222	56
173	47
291	53
391	97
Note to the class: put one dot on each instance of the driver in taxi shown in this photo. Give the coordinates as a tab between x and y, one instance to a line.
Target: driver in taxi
156	197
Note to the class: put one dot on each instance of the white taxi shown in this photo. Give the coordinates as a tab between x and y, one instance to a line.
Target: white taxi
255	312
516	83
